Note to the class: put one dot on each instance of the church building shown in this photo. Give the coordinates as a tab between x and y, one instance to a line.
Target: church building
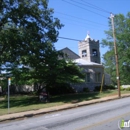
89	59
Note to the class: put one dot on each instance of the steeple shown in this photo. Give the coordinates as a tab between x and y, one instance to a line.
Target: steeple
89	49
87	37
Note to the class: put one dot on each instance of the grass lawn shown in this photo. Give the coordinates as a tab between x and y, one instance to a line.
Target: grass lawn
21	103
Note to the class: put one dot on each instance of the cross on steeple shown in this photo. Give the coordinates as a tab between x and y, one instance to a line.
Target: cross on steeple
88	36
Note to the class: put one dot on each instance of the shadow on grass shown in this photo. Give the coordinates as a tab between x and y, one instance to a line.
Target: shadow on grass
25	100
19	101
80	97
70	98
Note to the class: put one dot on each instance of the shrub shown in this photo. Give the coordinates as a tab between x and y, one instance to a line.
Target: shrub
127	89
121	88
61	89
86	90
97	88
109	87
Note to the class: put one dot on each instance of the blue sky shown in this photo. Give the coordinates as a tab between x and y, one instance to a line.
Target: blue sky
79	20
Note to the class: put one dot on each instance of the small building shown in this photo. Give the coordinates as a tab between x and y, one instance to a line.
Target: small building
89	59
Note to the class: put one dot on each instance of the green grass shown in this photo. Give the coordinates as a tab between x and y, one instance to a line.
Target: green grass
24	103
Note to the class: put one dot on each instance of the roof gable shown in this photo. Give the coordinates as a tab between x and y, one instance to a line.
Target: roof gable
70	54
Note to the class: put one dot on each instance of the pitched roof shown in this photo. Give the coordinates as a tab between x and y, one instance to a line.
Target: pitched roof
70	53
84	62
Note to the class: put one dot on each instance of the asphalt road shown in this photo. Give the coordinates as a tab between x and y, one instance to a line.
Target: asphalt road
100	116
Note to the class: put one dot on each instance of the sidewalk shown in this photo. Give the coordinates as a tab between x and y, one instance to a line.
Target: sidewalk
57	108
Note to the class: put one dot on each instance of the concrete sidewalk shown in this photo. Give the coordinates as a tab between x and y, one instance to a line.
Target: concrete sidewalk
57	108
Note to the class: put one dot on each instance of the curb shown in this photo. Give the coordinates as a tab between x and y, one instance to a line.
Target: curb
70	106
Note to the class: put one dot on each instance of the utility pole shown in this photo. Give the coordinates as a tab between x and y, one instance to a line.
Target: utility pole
116	56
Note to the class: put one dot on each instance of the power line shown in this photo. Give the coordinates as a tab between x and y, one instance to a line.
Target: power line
70	39
79	21
82	26
36	33
66	38
84	8
96	7
80	18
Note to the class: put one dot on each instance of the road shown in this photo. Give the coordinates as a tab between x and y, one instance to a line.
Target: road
100	116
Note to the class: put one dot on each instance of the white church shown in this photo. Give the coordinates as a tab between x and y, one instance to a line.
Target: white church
89	59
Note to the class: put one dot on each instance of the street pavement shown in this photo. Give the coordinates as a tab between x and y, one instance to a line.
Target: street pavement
106	115
57	108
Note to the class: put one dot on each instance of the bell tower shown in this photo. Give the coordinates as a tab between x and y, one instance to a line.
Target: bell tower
89	50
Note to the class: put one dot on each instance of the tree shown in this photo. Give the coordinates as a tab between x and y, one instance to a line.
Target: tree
55	71
28	32
26	27
122	31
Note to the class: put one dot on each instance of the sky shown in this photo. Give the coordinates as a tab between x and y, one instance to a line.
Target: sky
85	16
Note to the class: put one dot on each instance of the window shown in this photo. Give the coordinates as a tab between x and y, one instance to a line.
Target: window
94	52
84	53
97	77
87	79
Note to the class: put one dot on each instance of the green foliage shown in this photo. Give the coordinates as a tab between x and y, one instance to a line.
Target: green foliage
62	88
122	25
97	88
27	33
127	89
105	87
124	89
86	90
109	87
121	88
58	73
4	83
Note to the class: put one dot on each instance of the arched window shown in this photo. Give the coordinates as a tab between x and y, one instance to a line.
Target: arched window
94	52
84	53
87	78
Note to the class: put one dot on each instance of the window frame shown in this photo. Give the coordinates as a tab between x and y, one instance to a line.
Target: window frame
98	77
88	78
94	52
84	53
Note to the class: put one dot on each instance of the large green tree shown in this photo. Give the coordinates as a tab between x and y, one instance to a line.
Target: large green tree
122	32
27	29
28	32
